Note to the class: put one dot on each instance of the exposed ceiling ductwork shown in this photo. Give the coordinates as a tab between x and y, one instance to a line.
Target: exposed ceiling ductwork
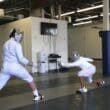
25	7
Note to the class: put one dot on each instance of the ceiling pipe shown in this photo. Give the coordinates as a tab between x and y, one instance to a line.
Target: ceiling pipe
59	11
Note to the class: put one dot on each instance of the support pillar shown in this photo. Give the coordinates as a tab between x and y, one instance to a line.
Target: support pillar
105	35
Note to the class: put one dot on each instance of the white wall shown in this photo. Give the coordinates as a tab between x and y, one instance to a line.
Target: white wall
50	44
34	42
3	37
86	40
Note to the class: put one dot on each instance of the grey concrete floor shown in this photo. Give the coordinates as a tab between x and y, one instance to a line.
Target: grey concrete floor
59	89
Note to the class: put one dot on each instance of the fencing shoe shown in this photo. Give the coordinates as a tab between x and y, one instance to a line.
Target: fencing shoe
38	98
101	83
83	90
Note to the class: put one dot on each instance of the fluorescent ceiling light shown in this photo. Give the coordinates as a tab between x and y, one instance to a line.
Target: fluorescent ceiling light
67	13
81	23
1	0
82	10
89	8
90	17
86	18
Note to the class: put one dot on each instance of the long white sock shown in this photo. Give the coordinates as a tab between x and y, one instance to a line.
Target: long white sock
35	92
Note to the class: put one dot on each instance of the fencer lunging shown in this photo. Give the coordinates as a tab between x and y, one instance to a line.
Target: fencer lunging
12	63
87	69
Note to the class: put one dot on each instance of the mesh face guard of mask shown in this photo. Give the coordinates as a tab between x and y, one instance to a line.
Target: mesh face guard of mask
18	37
17	34
75	56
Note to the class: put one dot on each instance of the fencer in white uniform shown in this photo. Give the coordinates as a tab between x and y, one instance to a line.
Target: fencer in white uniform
13	61
87	69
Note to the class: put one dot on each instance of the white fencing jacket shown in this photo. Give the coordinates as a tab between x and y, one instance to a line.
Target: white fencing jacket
12	52
84	64
12	60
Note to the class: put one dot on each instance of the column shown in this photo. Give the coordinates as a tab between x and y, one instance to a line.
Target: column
105	35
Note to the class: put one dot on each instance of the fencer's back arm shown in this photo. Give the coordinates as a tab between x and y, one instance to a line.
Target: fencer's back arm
20	56
88	59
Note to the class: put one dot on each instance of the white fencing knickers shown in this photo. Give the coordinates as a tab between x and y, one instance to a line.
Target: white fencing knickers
13	69
87	73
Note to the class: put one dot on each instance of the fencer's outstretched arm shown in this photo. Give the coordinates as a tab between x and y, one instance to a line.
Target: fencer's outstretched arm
69	65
